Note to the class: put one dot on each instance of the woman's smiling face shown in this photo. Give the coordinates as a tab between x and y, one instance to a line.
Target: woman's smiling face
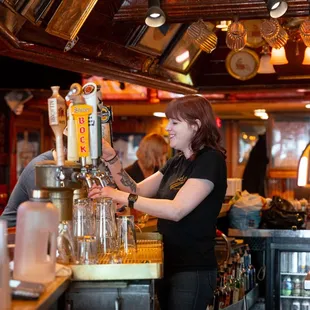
181	134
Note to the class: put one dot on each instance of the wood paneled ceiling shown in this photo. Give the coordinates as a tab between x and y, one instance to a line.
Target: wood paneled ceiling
102	49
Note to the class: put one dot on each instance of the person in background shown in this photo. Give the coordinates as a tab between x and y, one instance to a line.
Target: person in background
186	195
254	175
23	188
26	184
152	155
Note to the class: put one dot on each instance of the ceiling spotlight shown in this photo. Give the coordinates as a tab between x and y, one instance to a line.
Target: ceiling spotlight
155	16
159	114
276	8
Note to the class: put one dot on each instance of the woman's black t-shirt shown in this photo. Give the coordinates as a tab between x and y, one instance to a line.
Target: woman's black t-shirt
189	243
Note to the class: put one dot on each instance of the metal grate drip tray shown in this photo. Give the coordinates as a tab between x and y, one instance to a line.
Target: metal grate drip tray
144	263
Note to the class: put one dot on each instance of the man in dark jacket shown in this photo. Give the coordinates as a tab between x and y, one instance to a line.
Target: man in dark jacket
255	170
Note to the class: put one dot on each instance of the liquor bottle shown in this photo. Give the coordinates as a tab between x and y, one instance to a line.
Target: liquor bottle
223	294
252	273
217	296
237	266
230	265
246	257
241	284
236	289
229	292
234	267
244	277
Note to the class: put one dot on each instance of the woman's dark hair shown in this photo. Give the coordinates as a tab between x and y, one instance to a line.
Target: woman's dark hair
191	108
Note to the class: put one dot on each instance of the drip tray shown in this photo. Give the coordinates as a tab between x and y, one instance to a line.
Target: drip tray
144	263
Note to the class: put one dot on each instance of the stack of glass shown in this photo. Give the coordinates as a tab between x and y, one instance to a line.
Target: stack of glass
98	232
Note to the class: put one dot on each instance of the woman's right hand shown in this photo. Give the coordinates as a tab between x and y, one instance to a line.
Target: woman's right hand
107	151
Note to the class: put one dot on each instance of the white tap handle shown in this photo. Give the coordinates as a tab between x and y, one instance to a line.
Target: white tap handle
90	96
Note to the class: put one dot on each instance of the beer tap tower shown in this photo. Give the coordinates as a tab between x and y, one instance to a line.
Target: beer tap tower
63	179
59	178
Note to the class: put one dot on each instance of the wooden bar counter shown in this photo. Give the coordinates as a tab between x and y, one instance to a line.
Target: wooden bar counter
49	297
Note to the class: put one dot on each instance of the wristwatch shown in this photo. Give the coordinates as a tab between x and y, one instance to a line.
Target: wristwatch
132	198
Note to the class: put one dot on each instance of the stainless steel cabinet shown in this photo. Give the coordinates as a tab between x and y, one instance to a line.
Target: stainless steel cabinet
110	295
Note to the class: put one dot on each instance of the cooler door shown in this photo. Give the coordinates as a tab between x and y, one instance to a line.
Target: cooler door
293	267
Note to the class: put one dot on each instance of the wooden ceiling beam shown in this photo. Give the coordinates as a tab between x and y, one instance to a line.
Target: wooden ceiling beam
222	109
11	46
185	11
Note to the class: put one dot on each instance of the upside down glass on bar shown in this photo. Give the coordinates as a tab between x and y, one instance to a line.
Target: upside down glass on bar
126	234
105	225
84	231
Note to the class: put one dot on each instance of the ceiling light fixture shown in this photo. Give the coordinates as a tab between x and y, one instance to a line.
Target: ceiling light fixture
155	16
265	67
306	60
276	8
261	113
278	56
182	57
223	25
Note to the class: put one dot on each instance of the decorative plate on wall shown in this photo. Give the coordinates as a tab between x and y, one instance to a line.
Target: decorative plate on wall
242	65
254	38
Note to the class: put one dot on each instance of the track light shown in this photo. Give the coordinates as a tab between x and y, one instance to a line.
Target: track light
155	16
276	8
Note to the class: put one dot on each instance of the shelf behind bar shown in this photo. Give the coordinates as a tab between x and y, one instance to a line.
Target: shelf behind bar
267	233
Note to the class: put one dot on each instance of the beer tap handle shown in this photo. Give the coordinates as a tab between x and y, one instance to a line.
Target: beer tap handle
106	130
80	112
90	97
99	136
99	105
72	151
75	89
57	121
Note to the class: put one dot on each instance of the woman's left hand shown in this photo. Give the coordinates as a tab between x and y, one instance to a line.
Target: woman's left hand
100	192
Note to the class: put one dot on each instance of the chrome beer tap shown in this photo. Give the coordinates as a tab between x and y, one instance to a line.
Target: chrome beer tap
98	176
84	175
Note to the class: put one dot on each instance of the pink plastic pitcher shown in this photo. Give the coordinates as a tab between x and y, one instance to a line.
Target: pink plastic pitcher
35	243
5	292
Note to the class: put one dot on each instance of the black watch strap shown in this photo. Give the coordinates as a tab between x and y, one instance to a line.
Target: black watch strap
132	198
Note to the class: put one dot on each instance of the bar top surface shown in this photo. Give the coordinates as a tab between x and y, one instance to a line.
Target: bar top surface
51	294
